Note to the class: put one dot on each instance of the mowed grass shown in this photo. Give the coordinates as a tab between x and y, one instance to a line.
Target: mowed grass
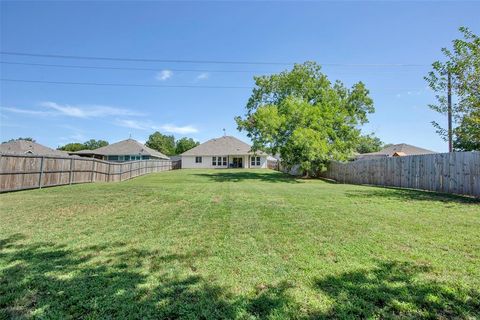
237	244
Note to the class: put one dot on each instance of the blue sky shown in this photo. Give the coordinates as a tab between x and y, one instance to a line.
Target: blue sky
356	35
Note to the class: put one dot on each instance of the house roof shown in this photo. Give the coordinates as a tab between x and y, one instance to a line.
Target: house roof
29	147
401	149
226	145
124	147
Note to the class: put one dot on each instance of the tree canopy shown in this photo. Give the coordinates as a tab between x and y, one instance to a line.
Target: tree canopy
467	134
95	144
185	144
72	147
162	143
87	145
462	62
305	117
369	143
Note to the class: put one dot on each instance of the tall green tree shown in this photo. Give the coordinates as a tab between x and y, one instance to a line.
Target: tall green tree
91	144
95	144
72	147
369	143
305	117
185	144
462	62
467	134
163	143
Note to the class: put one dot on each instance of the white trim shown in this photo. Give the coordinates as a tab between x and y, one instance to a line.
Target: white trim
188	162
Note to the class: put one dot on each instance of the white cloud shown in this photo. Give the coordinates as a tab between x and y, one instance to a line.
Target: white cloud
133	124
180	130
76	137
164	75
27	111
142	125
203	76
88	111
56	109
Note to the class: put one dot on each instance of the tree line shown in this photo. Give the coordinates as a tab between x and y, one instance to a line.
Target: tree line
87	145
165	144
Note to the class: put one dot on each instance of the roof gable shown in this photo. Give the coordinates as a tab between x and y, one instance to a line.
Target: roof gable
226	145
29	147
125	147
401	149
404	148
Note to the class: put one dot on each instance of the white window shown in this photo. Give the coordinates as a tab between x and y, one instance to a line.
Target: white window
198	159
214	161
255	161
224	161
258	161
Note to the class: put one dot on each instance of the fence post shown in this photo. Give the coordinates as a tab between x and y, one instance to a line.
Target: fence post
93	170
130	170
108	176
41	173
70	176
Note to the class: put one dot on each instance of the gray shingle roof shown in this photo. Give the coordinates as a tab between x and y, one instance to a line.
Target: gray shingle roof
124	147
226	145
402	149
29	147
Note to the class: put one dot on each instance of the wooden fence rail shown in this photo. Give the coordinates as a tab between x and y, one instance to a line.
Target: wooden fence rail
20	172
456	172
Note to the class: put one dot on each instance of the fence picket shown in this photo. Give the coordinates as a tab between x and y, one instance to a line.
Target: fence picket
456	172
20	172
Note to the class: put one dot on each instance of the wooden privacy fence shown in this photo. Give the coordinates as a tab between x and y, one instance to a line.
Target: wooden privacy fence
19	172
456	172
272	164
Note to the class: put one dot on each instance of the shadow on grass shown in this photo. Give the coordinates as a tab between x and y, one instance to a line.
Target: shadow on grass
409	195
394	290
49	281
45	280
240	175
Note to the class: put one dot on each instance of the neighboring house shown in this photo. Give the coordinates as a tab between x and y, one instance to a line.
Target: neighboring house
396	150
224	152
25	147
126	150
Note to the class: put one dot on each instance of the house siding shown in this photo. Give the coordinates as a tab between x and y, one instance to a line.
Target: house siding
263	163
188	162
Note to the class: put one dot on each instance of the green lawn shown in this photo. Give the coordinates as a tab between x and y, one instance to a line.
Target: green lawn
238	245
